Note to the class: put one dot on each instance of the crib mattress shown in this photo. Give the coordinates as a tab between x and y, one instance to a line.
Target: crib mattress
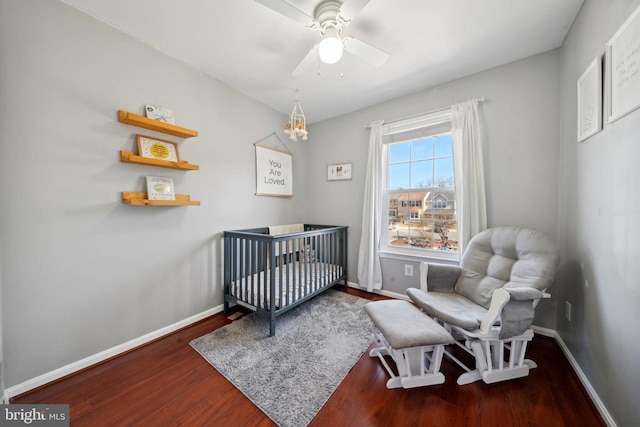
291	284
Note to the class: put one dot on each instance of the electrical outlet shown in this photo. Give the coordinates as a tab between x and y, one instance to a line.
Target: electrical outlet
567	310
408	270
586	283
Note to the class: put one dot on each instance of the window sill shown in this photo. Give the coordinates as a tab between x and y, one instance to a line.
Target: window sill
419	256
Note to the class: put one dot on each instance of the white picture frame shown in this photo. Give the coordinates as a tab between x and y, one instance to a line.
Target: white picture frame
160	188
590	100
160	114
274	174
623	69
339	172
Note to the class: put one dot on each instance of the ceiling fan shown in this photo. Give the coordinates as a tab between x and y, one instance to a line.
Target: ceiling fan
330	17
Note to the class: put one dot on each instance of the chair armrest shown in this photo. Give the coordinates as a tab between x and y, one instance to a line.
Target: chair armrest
518	313
438	277
499	298
514	306
523	294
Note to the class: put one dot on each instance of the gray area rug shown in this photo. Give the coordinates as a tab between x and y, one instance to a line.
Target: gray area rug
291	375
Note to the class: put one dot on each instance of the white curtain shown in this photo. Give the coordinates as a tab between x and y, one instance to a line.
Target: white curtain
369	270
471	205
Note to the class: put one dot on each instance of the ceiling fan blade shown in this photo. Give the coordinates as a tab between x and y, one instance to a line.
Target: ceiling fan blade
366	52
306	63
291	12
351	8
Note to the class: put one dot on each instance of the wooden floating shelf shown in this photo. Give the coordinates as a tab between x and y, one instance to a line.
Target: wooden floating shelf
129	157
140	199
144	122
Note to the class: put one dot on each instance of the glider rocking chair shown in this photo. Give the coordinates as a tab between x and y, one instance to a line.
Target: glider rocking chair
487	303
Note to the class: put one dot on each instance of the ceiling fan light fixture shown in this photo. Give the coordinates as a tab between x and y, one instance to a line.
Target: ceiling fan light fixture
330	49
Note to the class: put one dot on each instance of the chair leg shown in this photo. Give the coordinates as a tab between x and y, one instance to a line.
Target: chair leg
481	364
416	366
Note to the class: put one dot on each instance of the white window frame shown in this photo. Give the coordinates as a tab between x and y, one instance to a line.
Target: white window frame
415	124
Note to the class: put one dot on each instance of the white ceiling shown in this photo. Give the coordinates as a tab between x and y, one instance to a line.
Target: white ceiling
254	49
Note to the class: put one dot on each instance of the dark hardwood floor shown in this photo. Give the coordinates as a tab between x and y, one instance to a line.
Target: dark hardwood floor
166	383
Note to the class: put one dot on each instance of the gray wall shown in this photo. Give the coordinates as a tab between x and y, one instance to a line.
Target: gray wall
521	156
599	227
82	272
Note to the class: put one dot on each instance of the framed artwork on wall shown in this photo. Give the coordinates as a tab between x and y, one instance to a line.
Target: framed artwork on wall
153	148
623	69
160	114
160	188
590	100
339	172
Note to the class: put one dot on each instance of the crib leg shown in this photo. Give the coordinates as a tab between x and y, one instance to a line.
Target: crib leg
272	326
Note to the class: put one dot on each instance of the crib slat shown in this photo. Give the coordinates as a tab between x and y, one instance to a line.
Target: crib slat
264	268
269	292
321	257
255	276
314	268
235	265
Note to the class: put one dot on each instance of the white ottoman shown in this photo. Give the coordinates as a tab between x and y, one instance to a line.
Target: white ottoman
414	341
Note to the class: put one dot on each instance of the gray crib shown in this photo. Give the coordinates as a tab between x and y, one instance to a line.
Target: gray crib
272	274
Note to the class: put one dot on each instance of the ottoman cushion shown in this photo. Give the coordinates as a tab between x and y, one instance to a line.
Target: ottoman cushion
404	325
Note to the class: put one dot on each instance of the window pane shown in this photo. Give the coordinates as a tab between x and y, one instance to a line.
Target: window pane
421	174
399	176
398	205
399	153
444	147
444	172
422	149
421	192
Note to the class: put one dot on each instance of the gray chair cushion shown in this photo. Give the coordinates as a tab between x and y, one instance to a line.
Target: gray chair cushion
517	315
508	257
453	309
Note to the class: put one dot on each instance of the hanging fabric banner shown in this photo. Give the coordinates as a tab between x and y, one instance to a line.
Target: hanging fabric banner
274	175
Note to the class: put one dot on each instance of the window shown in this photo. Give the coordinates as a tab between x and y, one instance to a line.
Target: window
439	202
420	190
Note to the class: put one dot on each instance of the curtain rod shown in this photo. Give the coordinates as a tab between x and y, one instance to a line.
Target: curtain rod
483	99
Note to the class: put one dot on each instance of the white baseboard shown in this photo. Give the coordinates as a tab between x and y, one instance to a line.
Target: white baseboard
545	332
380	292
585	382
104	355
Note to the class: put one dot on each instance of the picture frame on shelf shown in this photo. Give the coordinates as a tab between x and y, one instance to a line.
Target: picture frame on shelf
160	114
160	188
339	172
590	100
622	57
154	148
